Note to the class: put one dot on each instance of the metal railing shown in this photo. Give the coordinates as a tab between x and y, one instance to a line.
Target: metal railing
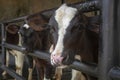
106	69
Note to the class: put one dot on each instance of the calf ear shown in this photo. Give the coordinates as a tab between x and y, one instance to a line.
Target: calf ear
12	28
94	23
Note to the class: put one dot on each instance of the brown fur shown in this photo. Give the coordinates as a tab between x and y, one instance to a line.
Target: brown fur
81	39
39	39
12	36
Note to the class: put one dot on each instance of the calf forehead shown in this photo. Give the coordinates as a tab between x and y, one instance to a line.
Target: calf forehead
64	15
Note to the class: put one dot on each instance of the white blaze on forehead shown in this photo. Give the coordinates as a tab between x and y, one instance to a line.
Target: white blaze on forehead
63	16
26	26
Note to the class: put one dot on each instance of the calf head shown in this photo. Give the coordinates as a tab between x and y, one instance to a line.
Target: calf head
69	28
35	32
12	36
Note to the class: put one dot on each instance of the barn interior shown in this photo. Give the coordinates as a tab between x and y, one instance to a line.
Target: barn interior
11	9
17	10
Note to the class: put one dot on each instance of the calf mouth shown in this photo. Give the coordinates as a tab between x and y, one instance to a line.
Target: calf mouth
63	60
68	59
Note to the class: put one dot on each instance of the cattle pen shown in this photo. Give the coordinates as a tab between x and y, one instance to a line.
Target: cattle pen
108	67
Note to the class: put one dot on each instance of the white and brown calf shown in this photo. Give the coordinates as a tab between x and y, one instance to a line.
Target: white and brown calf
72	36
14	37
36	36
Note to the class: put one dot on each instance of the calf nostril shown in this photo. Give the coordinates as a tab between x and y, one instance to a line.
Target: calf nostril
54	56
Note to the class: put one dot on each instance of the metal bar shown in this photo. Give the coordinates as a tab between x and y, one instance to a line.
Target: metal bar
2	43
41	55
12	73
10	46
19	19
115	73
90	69
85	67
118	25
87	6
84	7
106	52
116	29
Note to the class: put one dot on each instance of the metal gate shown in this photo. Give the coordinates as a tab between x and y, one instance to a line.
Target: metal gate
108	67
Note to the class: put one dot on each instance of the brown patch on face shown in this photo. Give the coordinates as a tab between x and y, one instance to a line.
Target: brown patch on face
12	28
37	22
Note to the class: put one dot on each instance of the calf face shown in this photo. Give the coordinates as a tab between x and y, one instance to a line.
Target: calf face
35	33
36	36
70	35
12	36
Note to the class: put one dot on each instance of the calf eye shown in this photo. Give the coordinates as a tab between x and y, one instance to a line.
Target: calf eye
52	30
79	27
74	28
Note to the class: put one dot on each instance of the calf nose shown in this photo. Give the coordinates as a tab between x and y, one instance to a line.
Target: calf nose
56	59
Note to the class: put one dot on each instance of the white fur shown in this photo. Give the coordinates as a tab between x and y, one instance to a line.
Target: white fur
51	49
77	75
26	26
63	16
30	70
19	61
45	78
58	73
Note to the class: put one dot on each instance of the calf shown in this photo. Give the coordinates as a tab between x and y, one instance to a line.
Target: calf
13	37
36	36
72	35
